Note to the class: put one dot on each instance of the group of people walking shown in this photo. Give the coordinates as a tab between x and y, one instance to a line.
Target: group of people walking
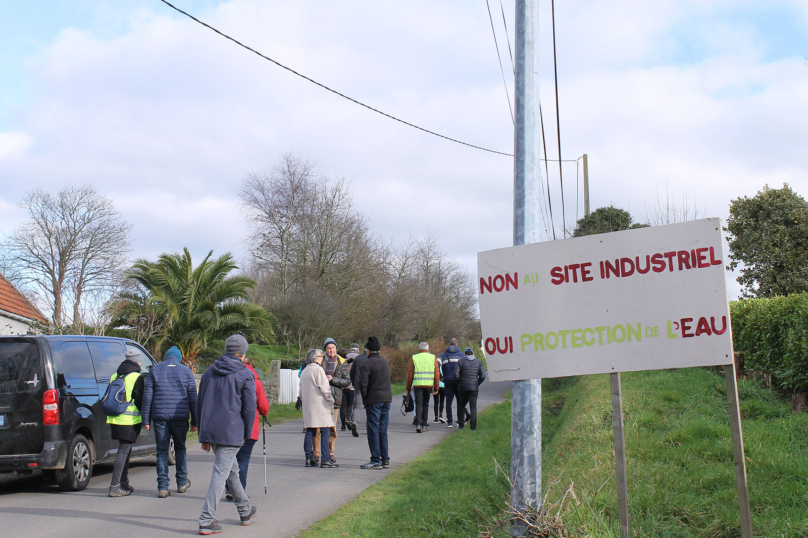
227	410
451	374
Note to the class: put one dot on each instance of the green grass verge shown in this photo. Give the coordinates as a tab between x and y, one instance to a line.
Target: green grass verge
681	479
447	492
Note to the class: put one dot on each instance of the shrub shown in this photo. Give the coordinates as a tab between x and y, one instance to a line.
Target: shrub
773	335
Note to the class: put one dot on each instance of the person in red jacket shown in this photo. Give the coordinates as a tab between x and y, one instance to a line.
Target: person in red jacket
262	408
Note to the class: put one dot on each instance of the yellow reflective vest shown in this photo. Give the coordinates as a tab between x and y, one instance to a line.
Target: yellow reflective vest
132	414
423	370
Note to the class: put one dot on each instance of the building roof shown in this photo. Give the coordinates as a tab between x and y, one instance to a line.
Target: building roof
14	302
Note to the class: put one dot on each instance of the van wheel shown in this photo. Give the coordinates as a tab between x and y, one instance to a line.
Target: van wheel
79	466
172	458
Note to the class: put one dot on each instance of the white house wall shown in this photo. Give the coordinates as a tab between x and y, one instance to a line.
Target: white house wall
12	326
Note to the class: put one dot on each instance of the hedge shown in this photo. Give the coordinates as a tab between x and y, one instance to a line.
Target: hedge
773	335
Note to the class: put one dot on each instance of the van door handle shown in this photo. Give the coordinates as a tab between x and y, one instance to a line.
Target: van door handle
35	382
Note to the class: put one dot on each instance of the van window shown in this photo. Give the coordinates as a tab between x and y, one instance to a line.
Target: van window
19	363
72	360
145	361
107	356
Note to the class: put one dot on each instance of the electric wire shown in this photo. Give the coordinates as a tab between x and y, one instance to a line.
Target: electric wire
558	120
175	8
499	59
547	170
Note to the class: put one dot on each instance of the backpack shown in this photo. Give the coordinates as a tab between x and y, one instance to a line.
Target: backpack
114	401
407	405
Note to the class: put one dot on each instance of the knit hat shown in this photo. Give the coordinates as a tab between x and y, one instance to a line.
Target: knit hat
373	344
469	351
173	353
356	346
329	341
235	344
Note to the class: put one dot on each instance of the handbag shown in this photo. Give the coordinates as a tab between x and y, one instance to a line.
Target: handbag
408	404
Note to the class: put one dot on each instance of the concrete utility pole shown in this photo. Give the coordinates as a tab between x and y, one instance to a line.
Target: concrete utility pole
526	395
586	185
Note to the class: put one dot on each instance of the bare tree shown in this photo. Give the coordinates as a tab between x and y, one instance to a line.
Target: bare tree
668	211
74	242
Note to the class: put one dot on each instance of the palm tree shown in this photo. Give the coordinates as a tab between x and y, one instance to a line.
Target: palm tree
201	303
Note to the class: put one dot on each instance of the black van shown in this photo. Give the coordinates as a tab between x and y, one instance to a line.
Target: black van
50	413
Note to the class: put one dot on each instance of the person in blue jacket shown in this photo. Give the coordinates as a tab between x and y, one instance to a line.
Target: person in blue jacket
449	360
168	399
226	413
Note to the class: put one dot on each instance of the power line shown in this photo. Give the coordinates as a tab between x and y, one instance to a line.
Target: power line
499	58
558	119
175	8
546	169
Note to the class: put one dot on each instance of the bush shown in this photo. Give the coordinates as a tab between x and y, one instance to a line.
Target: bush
773	335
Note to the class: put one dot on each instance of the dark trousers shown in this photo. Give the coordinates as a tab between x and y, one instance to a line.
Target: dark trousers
467	397
451	392
325	433
422	404
378	417
120	471
346	409
164	432
437	401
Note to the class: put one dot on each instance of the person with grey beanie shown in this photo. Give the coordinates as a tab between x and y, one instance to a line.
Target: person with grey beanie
226	412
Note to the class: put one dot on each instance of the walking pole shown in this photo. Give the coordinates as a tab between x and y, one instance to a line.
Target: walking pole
264	432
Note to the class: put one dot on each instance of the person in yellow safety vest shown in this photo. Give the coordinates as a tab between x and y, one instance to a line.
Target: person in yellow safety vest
126	426
424	379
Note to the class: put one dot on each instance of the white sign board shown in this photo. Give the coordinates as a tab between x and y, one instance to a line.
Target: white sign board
644	299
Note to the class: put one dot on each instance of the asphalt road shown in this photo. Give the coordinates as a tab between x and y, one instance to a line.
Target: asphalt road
297	496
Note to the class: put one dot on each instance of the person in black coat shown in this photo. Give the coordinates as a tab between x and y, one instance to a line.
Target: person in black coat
470	376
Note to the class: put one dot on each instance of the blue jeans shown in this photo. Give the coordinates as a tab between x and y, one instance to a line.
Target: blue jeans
308	442
164	431
378	417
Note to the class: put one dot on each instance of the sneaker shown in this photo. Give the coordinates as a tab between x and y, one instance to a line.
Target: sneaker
436	421
163	493
325	464
213	528
371	465
127	487
459	426
425	427
449	425
441	419
310	463
246	520
184	487
418	429
118	491
353	426
228	497
386	464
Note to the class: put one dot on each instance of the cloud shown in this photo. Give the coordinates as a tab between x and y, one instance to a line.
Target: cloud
168	118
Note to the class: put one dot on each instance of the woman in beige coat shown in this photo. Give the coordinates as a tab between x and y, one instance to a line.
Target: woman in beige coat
318	407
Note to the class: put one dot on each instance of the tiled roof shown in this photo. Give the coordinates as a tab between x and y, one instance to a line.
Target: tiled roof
11	300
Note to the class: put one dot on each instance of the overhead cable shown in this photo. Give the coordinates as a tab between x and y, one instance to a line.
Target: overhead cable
499	58
330	89
558	120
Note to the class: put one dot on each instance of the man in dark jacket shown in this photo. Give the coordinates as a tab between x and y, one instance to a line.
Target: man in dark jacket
377	394
168	399
470	375
226	412
449	360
